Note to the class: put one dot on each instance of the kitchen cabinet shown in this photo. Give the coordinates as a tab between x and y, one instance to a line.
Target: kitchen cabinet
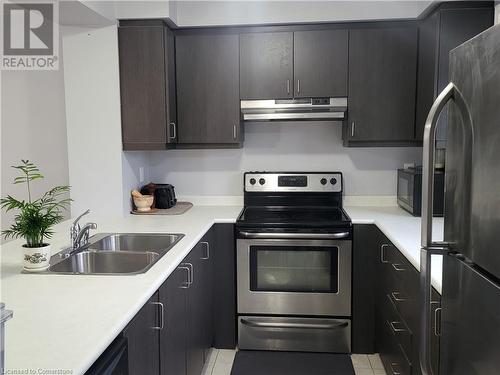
147	86
386	306
397	312
282	65
320	63
174	331
208	107
266	65
199	329
224	288
446	28
173	335
382	83
142	339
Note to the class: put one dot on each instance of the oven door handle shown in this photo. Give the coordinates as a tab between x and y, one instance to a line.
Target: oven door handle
320	236
293	325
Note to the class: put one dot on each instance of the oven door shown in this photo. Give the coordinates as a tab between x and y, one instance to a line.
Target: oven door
294	277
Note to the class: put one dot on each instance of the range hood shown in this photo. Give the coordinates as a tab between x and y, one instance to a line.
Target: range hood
294	109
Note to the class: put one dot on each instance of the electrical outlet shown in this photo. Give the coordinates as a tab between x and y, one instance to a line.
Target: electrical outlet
141	174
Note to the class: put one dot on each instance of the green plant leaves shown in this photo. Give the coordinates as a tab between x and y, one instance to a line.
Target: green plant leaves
36	218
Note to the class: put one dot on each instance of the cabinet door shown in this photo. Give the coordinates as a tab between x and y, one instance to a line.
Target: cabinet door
266	65
320	63
172	295
208	89
142	86
195	348
382	79
223	253
142	338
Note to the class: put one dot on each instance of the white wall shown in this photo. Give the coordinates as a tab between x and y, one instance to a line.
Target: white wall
93	119
287	147
497	11
211	13
33	126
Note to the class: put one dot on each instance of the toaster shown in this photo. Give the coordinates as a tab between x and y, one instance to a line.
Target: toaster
164	194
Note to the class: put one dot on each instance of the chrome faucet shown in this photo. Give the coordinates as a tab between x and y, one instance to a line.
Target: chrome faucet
80	236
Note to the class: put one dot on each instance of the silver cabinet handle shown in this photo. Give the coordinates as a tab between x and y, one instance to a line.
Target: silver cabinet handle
184	266
428	246
394	372
174	130
323	236
191	272
353	129
293	325
396	327
162	315
298	86
288	87
398	297
382	253
234	131
398	267
207	248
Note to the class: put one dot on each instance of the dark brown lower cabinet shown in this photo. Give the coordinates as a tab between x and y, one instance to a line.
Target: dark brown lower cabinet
386	306
142	339
397	306
173	332
173	335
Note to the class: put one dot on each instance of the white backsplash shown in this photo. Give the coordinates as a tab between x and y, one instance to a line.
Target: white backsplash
294	146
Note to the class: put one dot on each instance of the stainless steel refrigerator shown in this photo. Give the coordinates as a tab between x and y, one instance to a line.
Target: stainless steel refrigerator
470	317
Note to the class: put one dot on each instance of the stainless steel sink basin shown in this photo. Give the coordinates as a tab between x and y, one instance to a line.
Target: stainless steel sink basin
115	254
140	242
106	263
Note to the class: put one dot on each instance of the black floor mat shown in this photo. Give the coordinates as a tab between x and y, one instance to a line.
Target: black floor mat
291	363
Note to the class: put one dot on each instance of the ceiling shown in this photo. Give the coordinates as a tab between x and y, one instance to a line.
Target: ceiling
188	13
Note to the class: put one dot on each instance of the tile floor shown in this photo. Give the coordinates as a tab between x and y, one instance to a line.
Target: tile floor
221	361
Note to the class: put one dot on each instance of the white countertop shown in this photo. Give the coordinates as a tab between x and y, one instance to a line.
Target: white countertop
66	321
403	230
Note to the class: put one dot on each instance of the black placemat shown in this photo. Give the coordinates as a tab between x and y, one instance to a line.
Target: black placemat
291	363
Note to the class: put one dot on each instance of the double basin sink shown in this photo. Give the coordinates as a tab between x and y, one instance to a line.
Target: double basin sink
115	254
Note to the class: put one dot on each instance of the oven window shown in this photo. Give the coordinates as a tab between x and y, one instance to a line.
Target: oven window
305	269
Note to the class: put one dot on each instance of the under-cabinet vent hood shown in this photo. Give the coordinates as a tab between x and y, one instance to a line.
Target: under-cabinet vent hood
316	109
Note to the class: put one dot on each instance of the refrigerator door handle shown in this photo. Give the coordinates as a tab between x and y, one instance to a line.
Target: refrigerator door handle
451	92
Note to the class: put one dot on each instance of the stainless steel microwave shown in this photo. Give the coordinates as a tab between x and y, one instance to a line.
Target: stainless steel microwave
410	191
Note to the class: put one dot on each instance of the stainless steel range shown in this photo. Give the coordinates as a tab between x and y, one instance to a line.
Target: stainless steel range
294	263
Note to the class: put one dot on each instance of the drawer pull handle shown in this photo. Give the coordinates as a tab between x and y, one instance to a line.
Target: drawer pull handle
382	253
293	325
398	267
397	327
394	372
162	315
398	297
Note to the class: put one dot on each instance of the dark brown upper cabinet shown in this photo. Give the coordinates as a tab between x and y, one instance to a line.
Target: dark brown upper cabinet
282	65
382	83
208	90
266	65
320	63
147	86
448	27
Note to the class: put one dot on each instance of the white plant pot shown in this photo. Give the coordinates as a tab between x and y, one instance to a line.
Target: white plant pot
36	258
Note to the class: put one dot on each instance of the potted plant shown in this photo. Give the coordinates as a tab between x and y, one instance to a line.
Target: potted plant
36	218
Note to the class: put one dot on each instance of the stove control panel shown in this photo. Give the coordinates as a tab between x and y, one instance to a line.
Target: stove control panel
319	182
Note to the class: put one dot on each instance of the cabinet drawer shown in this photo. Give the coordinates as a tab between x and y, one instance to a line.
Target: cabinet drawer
400	281
398	327
393	356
